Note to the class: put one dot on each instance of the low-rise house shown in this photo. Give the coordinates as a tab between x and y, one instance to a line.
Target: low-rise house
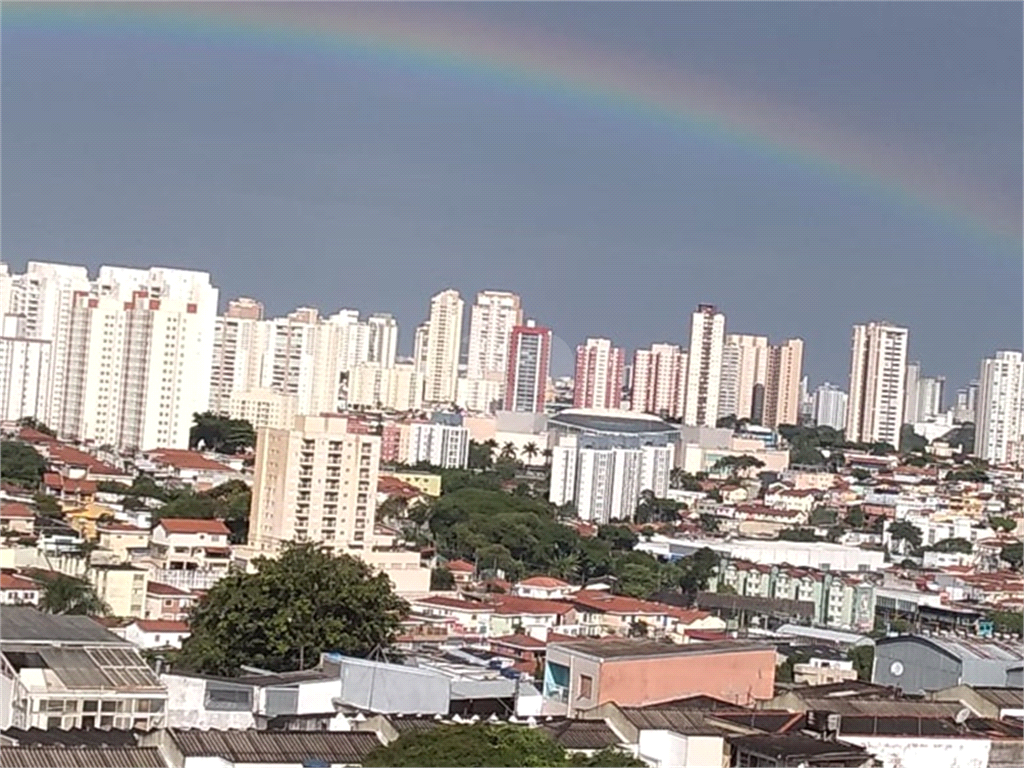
69	490
461	571
532	616
70	672
468	616
544	588
793	500
55	537
186	544
122	539
583	674
602	613
149	634
190	468
16	519
18	590
167	602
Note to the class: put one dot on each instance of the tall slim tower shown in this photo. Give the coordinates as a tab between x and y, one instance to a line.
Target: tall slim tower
659	381
528	366
910	404
444	340
599	371
878	372
491	321
744	368
383	340
1000	409
782	389
704	375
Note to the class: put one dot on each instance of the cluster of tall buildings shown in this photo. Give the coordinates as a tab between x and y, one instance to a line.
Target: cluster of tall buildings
720	374
126	358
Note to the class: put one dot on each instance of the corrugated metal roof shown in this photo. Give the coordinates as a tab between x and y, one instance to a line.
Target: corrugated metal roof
277	746
55	757
78	737
689	722
582	734
27	625
884	707
1007	698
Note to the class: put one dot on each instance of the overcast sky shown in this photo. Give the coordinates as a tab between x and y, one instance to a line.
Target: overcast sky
308	175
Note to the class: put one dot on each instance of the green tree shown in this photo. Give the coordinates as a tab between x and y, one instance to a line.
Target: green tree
21	464
441	580
910	441
228	501
500	745
863	658
531	450
901	530
1013	554
708	523
47	506
855	517
971	473
953	545
70	596
797	534
221	434
618	536
293	608
1007	622
997	523
860	475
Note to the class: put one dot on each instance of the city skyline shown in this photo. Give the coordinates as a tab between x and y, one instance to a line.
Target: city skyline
394	172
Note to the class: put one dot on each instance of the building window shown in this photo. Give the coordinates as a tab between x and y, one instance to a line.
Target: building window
586	687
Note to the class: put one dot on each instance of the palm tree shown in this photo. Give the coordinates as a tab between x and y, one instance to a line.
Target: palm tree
68	595
508	451
565	567
531	450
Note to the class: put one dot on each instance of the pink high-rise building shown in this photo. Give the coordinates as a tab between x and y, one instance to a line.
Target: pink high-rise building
599	371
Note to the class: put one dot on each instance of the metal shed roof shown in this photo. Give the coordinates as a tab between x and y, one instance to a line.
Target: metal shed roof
277	746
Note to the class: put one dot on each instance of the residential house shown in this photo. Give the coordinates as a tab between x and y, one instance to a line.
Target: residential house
18	590
465	616
535	617
68	489
121	586
16	519
191	545
791	499
167	602
149	634
461	571
544	588
190	468
70	672
122	539
602	613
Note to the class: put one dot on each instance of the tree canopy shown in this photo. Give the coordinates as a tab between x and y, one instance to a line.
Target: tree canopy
221	434
67	595
22	465
1013	554
291	610
499	745
228	501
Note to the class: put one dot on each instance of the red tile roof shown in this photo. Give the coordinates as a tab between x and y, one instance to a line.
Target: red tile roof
519	641
161	625
67	484
165	590
460	566
506	605
118	527
14	509
392	486
193	525
454	603
11	581
59	453
180	459
607	603
547	582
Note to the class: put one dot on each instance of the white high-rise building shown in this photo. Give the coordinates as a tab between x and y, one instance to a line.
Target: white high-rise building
491	320
704	370
443	345
396	388
744	375
24	373
240	352
929	398
999	429
43	296
878	371
604	480
659	381
830	406
910	405
439	443
383	340
140	349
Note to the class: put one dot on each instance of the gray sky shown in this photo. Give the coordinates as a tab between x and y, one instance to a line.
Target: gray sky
312	174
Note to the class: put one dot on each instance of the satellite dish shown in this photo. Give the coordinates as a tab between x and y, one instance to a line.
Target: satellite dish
962	716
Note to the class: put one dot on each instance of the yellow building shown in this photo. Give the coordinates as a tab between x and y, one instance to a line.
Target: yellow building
122	587
424	482
85	518
121	538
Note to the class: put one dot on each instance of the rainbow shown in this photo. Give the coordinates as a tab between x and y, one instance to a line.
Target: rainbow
427	35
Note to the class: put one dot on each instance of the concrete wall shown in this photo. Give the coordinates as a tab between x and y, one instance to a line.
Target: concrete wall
914	666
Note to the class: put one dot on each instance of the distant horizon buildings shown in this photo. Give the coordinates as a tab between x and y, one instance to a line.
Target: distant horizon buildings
658	381
830	406
528	368
443	346
878	370
599	374
999	429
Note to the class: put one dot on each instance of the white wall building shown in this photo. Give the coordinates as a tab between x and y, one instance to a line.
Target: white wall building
398	387
140	347
878	371
441	347
491	321
24	372
442	445
263	407
744	375
704	370
1000	409
830	406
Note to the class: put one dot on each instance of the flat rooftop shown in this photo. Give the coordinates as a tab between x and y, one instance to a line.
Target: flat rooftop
22	624
640	649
